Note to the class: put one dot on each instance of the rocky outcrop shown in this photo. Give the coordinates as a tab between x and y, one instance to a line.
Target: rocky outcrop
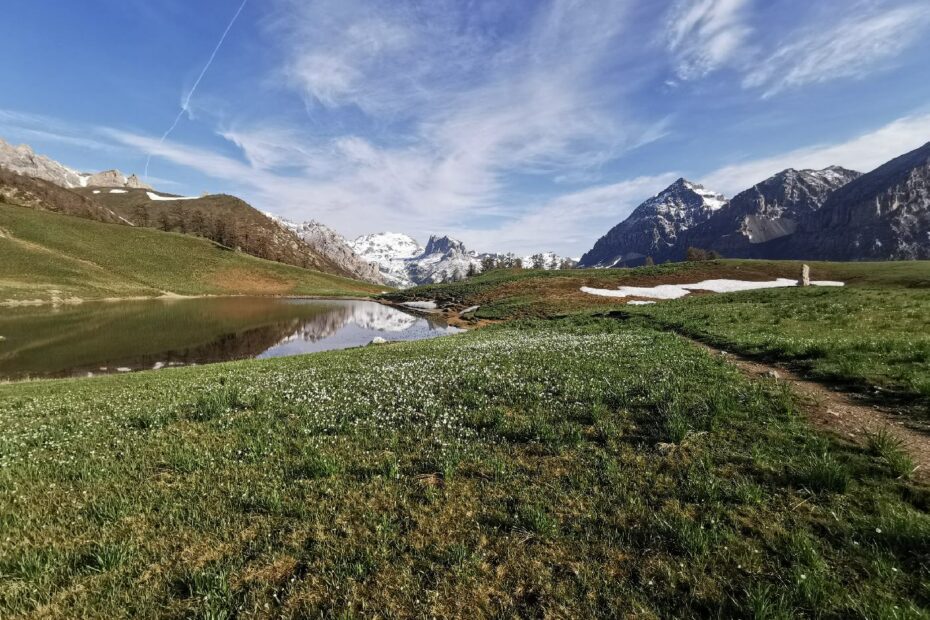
114	178
22	159
654	227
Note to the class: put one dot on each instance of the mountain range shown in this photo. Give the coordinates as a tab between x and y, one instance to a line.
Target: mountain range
829	214
404	262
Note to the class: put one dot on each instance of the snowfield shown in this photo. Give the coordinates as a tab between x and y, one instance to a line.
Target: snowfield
676	291
156	197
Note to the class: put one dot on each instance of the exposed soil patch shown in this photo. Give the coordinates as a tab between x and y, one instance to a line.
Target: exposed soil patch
249	282
845	414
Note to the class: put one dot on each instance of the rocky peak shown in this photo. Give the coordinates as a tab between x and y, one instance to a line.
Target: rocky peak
443	245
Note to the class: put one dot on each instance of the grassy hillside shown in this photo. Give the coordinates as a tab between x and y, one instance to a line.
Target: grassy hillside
573	468
47	255
225	219
24	191
506	294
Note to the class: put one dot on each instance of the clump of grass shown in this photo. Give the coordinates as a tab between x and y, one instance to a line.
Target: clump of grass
822	472
214	403
767	603
676	428
311	464
533	518
891	450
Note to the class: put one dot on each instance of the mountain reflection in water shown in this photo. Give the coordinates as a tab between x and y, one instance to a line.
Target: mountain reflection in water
98	338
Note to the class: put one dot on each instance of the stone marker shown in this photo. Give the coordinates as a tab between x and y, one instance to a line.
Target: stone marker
805	275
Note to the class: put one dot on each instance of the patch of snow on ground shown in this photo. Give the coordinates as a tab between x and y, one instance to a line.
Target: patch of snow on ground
156	197
639	302
663	291
675	291
116	191
421	305
732	286
96	191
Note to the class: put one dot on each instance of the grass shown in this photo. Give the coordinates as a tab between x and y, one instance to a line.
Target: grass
579	467
45	256
871	334
868	338
509	294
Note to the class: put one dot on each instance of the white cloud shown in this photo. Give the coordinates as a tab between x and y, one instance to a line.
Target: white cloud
705	35
863	153
866	40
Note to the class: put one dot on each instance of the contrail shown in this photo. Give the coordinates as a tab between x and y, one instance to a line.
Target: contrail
187	100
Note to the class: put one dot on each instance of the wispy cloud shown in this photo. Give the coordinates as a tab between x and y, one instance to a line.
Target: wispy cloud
705	35
864	153
865	40
450	110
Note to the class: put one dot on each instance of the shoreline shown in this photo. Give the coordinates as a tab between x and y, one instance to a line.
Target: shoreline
167	296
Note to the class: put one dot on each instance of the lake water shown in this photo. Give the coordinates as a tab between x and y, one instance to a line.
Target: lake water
107	337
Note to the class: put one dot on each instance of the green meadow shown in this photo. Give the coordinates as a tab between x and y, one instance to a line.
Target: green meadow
580	459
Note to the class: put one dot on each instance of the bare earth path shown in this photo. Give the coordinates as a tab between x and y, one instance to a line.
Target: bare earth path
845	414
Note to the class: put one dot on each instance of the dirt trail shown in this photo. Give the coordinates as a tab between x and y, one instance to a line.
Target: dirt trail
839	412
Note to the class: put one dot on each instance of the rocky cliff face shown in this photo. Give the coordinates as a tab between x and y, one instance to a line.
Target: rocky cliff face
334	247
23	159
654	227
884	214
767	211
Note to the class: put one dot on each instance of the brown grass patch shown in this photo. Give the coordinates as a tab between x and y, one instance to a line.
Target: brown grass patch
250	282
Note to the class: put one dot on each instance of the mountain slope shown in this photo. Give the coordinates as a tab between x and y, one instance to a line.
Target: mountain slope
25	191
48	256
767	211
224	219
390	252
333	247
884	214
654	227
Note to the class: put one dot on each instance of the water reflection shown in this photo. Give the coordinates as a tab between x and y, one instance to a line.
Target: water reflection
120	337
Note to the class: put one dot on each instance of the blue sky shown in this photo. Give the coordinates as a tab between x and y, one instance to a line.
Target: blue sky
513	125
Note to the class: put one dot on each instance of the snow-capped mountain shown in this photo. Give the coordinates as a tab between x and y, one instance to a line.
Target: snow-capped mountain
334	247
23	159
444	260
390	252
655	225
405	263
